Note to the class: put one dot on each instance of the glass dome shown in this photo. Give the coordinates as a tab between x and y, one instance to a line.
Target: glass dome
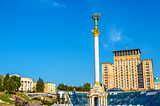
115	90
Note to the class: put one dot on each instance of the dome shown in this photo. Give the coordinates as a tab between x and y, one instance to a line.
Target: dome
115	90
26	78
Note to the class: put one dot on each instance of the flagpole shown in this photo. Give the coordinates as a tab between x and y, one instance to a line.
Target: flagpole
126	47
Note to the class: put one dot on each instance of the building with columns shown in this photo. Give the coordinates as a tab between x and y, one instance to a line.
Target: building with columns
128	71
26	84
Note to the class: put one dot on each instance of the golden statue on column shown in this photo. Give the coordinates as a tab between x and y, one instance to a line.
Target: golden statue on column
96	96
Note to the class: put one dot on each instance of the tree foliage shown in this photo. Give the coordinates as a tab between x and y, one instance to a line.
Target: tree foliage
70	88
1	83
63	87
17	80
40	85
86	87
5	79
105	89
10	85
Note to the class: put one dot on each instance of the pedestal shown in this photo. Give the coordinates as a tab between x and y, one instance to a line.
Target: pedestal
97	96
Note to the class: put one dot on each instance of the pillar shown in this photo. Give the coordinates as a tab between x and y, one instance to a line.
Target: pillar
23	85
27	86
92	101
101	100
96	52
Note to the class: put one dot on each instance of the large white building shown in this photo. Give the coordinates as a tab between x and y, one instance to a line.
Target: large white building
26	83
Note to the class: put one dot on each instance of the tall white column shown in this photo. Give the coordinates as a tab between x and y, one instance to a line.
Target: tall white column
23	85
92	101
105	102
101	100
96	56
27	86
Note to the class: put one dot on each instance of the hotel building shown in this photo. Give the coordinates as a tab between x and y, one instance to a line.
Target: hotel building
50	87
128	71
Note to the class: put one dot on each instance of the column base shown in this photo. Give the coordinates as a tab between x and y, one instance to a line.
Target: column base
97	83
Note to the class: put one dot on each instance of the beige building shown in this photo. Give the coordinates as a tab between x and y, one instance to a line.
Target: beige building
157	83
50	87
128	71
34	85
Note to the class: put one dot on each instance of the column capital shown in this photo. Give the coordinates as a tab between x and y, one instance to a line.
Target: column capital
96	33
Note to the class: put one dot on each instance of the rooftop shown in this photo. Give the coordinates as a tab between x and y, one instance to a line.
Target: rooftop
126	50
26	77
49	82
156	80
115	90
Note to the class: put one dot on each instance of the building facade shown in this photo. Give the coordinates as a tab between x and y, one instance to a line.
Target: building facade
26	83
128	71
50	87
34	85
157	83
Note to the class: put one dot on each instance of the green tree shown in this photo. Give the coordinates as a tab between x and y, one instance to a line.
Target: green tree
86	86
5	79
17	80
70	88
1	83
105	89
62	87
151	89
10	85
80	88
40	85
76	88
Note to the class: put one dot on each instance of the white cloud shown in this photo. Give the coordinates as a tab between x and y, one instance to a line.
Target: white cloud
115	35
45	3
105	46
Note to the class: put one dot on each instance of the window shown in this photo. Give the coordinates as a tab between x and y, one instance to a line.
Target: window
136	52
128	52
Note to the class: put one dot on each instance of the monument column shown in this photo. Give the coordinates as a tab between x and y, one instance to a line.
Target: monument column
96	93
96	33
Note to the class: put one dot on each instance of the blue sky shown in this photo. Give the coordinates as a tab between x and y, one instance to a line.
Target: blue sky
52	39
